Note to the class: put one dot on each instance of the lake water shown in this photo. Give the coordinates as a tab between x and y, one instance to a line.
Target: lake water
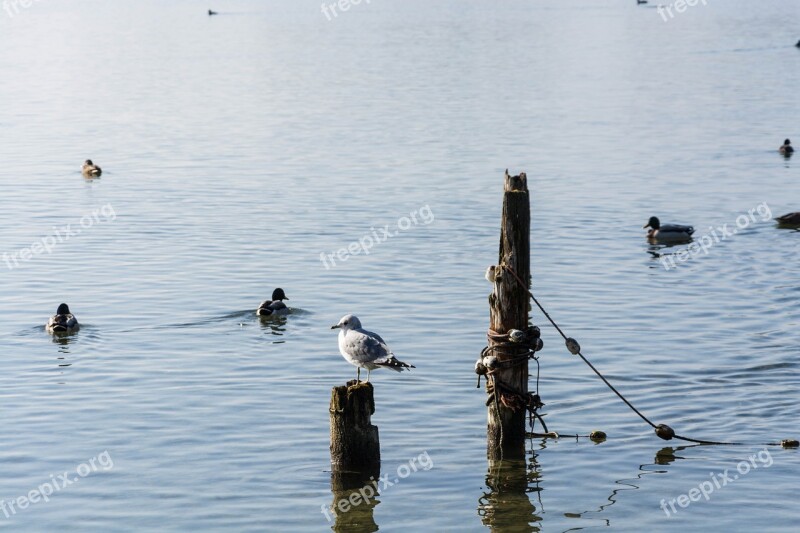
240	149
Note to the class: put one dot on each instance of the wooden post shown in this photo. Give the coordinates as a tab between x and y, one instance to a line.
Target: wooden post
509	304
355	447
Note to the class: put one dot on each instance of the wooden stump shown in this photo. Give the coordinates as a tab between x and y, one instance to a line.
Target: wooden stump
509	305
355	447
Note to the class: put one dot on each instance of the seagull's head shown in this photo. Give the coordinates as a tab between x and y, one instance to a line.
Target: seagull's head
348	322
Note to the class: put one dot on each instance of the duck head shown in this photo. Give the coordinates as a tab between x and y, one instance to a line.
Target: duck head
278	294
653	223
348	322
63	309
88	163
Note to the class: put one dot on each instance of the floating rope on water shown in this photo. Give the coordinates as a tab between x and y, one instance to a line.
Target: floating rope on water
663	431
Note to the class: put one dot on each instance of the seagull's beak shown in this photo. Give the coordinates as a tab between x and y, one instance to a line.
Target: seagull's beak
336	326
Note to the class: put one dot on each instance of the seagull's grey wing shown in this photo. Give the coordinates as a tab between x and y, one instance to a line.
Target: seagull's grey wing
364	346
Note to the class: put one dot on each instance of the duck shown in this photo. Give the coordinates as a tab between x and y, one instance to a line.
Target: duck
787	148
275	306
667	232
789	219
211	12
640	2
63	321
90	169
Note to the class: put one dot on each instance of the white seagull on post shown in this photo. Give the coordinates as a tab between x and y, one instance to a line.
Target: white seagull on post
365	349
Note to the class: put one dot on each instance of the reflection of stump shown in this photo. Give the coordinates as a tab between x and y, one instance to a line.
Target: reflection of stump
352	508
355	446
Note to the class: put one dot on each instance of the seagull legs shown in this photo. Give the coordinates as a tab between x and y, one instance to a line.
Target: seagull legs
358	374
368	373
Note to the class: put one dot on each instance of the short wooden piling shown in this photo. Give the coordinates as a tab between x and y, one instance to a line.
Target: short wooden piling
509	305
355	447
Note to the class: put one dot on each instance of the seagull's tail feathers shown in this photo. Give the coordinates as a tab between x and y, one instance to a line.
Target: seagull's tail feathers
394	363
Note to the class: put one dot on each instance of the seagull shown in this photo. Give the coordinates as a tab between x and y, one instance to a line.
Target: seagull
274	306
90	169
667	232
365	349
63	321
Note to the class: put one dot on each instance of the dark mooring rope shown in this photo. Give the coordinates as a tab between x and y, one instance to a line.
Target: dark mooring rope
662	430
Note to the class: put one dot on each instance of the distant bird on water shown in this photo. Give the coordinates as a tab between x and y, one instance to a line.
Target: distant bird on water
63	321
211	13
798	44
365	349
789	219
640	2
275	306
668	232
787	148
90	169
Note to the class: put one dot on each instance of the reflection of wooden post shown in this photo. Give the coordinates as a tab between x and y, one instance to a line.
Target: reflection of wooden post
354	440
508	506
508	309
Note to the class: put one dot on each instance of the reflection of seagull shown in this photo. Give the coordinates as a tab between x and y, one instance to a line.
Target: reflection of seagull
63	321
667	232
365	349
274	306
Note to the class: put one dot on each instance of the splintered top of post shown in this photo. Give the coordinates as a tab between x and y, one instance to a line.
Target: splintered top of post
516	183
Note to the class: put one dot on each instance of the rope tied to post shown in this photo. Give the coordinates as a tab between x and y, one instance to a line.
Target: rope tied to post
663	431
517	347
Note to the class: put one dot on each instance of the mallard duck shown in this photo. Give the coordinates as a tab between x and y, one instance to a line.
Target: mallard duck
667	232
787	147
274	306
90	169
790	219
63	321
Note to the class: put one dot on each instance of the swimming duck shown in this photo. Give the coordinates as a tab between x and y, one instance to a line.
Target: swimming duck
639	2
211	12
274	306
667	232
790	219
787	148
90	169
63	321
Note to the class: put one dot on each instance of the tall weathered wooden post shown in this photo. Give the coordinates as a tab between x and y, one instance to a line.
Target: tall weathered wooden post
509	305
355	447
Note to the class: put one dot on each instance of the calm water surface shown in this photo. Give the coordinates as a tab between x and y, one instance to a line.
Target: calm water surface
239	148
